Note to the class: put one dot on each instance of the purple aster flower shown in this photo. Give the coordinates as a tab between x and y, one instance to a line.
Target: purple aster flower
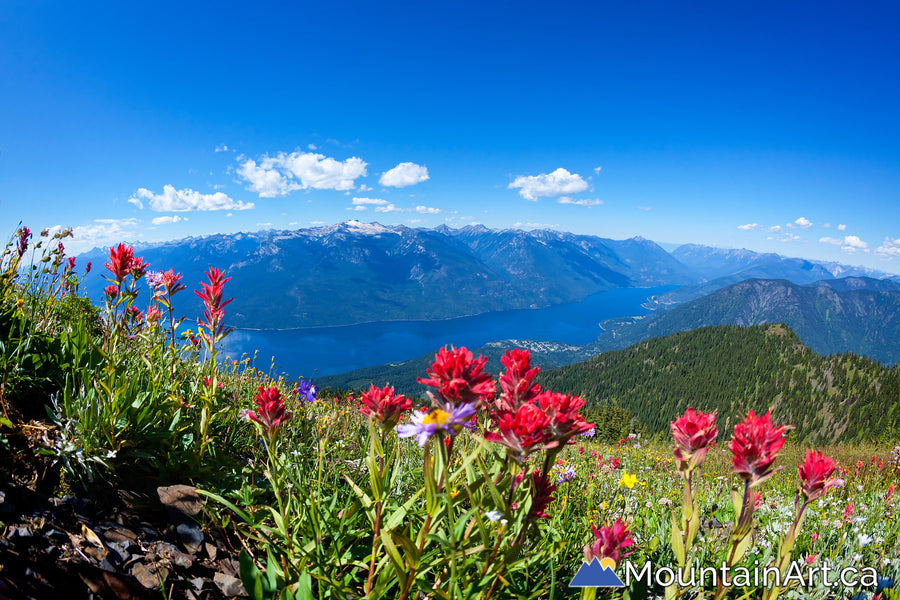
306	391
425	425
563	473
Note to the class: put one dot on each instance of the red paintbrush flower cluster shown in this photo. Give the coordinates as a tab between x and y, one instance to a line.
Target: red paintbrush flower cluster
458	378
270	411
541	495
515	382
522	431
694	432
609	542
211	295
815	475
119	263
755	447
526	418
384	406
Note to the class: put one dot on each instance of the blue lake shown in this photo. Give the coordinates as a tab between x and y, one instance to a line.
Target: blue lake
330	350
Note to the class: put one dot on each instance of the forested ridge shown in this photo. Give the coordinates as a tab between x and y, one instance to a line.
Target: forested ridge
730	369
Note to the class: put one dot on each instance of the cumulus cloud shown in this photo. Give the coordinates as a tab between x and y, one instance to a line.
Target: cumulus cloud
841	227
222	148
172	200
853	242
889	248
387	208
427	210
597	170
580	202
376	201
832	241
558	183
787	237
758	227
102	232
801	223
283	173
404	175
166	220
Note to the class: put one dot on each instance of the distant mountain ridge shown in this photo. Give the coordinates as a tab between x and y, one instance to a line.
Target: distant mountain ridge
361	272
357	272
852	314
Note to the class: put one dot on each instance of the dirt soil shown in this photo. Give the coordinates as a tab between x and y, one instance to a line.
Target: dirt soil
137	540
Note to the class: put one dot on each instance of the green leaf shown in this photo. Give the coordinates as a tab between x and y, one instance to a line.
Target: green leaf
250	576
677	541
304	588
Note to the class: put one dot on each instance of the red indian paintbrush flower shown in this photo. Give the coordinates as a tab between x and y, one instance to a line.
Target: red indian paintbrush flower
755	446
384	406
565	422
458	378
522	431
541	495
516	380
212	301
693	432
270	412
815	474
120	259
609	542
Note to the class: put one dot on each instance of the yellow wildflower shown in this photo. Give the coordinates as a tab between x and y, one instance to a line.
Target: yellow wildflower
628	480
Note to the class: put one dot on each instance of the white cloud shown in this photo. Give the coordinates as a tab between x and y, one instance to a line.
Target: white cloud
801	223
427	210
222	148
364	188
841	227
387	208
758	227
312	146
415	221
104	232
166	220
852	241
889	248
581	202
172	200
851	244
558	183
283	173
403	175
358	207
597	170
787	237
377	201
535	225
645	208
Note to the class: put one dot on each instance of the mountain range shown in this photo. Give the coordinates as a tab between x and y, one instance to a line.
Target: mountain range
859	315
357	272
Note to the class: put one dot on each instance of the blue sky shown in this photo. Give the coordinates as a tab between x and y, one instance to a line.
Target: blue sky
770	126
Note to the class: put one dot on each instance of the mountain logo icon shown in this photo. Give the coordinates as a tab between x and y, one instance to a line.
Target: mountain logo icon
597	573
